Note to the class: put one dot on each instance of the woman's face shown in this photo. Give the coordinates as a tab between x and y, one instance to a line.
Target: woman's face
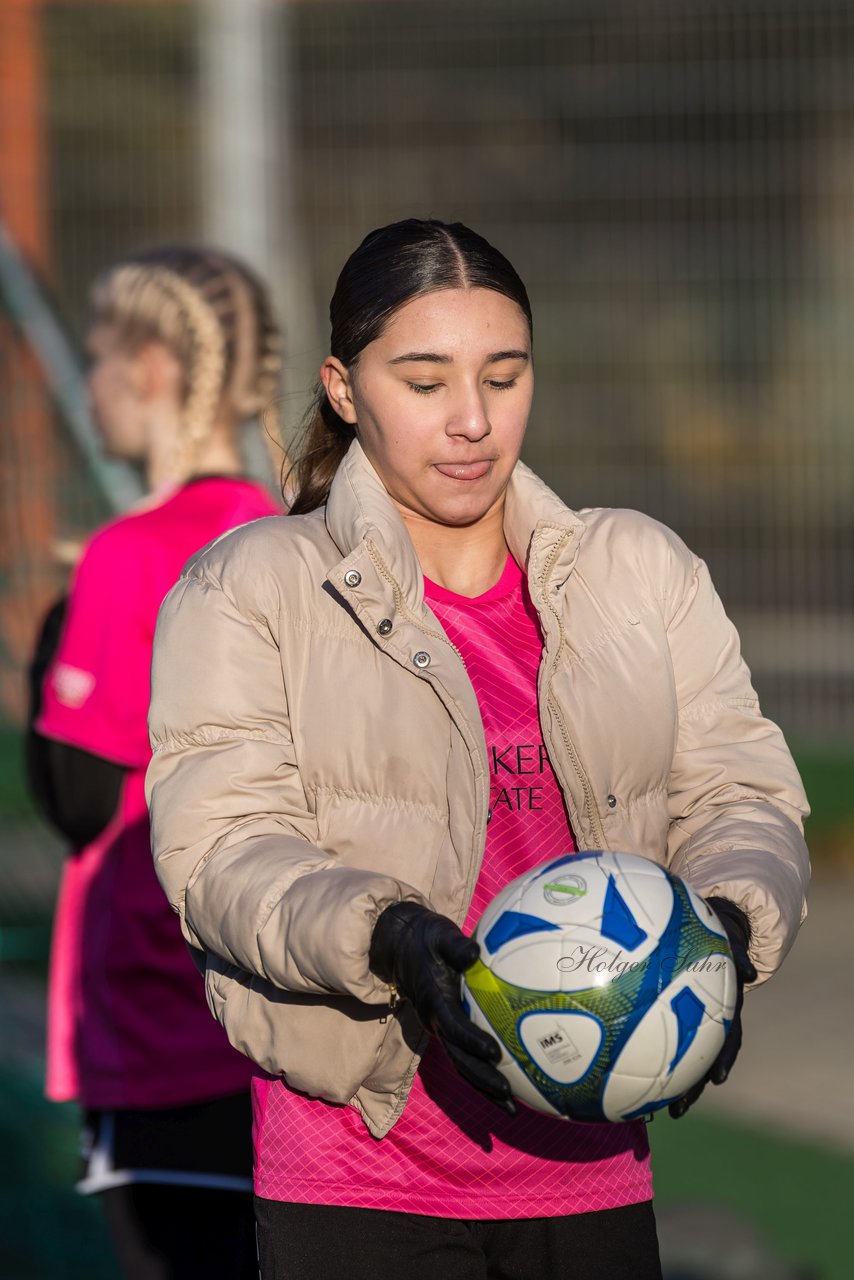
115	400
441	401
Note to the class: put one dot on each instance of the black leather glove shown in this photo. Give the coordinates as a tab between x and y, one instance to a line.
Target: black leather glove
737	928
422	955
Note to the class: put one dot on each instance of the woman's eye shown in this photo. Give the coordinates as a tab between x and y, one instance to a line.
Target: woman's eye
496	385
424	389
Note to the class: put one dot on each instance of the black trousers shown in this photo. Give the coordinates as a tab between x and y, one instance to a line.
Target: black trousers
164	1232
319	1242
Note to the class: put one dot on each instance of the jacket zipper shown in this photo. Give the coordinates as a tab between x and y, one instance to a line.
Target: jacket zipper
402	606
589	803
590	809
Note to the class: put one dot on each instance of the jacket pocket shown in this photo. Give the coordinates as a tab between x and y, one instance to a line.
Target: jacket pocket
323	1046
402	839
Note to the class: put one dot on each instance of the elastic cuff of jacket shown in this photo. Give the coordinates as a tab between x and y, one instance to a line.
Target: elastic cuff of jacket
733	915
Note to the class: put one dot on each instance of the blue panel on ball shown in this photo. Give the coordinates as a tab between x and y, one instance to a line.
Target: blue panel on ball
649	1107
618	923
514	924
658	971
689	1010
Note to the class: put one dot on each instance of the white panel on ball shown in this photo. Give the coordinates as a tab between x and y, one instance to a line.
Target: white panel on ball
563	1045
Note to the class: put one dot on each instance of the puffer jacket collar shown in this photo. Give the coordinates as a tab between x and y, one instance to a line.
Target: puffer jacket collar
542	533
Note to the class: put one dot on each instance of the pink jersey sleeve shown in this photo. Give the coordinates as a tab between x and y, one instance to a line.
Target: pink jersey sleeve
97	689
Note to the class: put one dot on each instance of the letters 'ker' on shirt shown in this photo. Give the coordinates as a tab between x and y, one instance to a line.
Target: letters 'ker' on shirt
453	1153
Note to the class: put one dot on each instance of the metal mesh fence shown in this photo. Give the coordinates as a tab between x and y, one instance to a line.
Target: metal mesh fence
673	182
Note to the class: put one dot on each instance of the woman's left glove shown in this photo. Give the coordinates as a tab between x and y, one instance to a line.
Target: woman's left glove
422	954
737	928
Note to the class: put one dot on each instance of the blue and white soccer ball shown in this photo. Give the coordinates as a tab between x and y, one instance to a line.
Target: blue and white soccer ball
608	983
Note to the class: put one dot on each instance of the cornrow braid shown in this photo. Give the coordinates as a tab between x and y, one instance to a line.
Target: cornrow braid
254	341
214	314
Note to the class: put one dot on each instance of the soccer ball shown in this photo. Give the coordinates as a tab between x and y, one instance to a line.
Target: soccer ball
608	983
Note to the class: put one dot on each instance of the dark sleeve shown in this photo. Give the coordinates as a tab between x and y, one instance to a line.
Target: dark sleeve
75	791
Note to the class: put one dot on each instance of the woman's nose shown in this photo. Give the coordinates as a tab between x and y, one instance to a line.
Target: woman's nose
469	418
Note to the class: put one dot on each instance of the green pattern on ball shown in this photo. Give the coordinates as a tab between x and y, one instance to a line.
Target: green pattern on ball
618	1006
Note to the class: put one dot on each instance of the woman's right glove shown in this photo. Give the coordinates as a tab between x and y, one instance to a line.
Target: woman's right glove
737	927
422	954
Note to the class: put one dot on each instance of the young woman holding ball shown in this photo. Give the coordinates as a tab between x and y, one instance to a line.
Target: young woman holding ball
371	715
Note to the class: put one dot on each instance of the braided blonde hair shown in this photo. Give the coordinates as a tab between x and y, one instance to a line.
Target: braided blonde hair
215	317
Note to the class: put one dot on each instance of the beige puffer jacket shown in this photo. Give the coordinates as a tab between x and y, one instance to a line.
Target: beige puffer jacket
319	754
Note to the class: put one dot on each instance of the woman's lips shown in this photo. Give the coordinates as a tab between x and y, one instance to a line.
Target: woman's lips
464	470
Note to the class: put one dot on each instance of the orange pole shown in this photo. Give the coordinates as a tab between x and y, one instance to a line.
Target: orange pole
22	143
27	446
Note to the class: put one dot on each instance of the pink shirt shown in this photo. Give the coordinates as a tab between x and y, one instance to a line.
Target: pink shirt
128	1025
452	1153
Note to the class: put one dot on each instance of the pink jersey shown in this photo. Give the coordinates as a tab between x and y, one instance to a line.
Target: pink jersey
128	1025
453	1153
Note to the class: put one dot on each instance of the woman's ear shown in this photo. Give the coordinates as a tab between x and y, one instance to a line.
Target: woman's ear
157	373
339	388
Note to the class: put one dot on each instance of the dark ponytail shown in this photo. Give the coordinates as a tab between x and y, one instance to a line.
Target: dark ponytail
319	451
391	266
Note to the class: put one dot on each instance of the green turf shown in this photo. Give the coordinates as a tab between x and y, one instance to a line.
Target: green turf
829	783
797	1194
15	803
47	1231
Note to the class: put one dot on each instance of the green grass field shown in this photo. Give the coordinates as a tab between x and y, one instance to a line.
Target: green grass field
15	803
798	1195
47	1231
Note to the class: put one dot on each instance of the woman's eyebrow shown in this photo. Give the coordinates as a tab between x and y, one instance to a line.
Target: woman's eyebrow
432	357
507	355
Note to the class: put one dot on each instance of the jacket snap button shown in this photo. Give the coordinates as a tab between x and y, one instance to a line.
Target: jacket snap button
612	802
384	627
421	659
352	577
489	815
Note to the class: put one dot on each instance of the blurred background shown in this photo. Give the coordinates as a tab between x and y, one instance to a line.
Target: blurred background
675	183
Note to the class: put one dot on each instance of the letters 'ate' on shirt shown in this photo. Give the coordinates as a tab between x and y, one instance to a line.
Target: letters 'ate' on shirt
453	1153
128	1025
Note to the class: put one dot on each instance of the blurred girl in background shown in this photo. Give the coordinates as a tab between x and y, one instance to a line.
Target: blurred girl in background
184	348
